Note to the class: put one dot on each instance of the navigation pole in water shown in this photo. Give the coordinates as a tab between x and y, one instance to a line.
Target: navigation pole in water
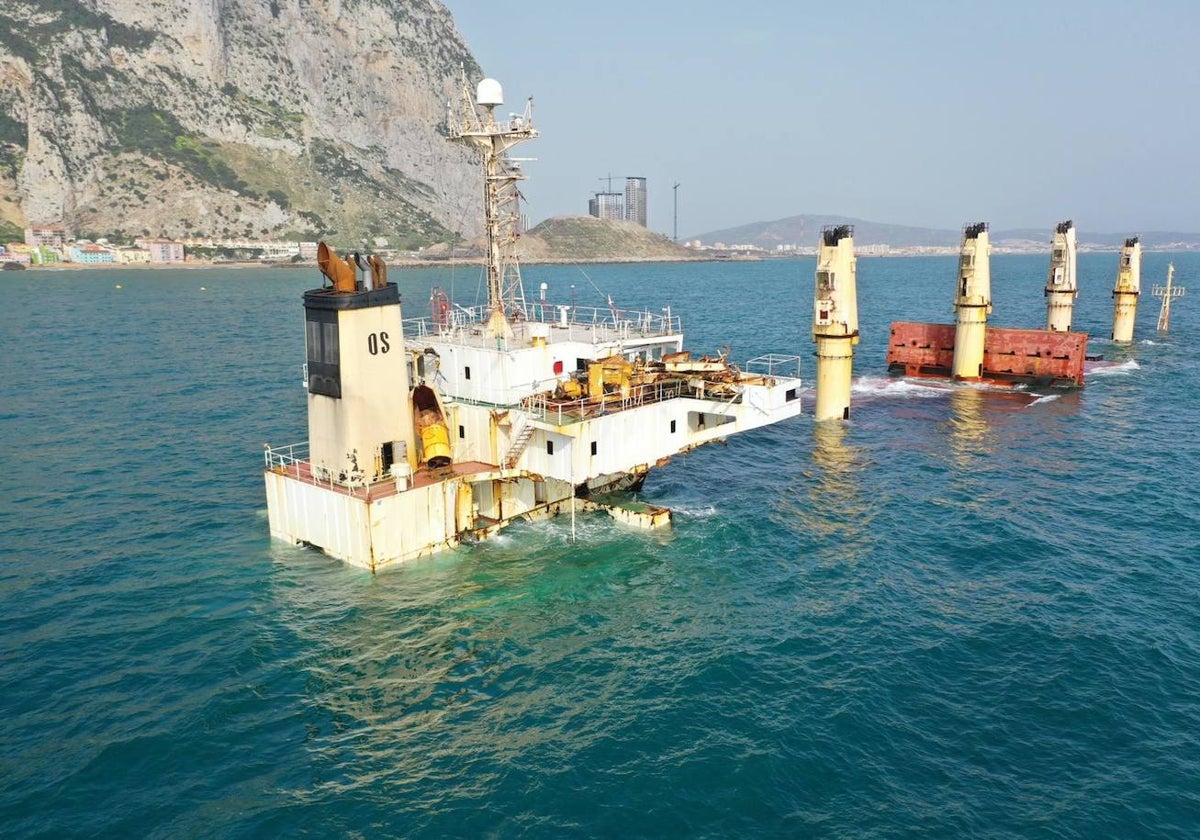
972	303
1125	293
1060	284
475	126
1167	293
835	321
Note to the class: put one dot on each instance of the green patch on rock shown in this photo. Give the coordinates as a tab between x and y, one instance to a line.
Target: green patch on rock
9	232
12	130
158	134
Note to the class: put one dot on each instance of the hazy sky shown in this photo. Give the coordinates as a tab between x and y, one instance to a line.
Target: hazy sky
919	113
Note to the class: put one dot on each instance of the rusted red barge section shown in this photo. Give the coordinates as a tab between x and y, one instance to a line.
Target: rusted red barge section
1010	357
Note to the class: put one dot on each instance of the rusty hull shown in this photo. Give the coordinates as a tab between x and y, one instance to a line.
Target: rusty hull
1010	357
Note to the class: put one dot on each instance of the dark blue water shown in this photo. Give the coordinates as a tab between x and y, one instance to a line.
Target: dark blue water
961	614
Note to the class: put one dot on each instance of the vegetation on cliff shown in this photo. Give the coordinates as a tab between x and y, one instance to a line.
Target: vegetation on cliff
234	118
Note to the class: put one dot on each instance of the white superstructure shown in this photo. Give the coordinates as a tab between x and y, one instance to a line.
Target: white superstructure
482	416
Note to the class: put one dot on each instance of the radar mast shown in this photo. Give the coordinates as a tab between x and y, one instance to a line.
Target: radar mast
475	126
1168	293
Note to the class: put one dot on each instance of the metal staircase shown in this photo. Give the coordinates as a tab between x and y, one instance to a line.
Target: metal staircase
524	432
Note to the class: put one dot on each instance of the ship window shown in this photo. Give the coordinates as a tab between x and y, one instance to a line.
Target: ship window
672	427
467	372
700	421
593	447
329	343
1058	253
322	353
791	394
462	432
825	280
549	447
581	364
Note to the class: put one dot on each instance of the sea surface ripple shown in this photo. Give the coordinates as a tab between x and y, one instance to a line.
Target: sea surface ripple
963	613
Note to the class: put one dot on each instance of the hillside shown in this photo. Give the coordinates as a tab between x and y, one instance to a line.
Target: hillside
804	230
584	238
233	117
576	239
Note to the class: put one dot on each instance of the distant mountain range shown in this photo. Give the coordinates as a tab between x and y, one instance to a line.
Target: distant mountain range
803	231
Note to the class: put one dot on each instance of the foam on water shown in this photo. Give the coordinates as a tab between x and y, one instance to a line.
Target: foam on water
694	511
892	387
1043	398
1113	369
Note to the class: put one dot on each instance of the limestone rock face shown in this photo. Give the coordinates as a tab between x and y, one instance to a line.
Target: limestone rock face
234	117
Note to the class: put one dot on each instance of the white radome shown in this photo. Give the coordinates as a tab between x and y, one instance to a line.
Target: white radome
489	93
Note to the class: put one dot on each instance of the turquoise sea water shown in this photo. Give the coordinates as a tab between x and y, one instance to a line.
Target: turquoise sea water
964	613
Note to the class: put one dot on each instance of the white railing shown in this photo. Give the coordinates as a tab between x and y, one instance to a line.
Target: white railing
774	364
286	458
293	460
579	322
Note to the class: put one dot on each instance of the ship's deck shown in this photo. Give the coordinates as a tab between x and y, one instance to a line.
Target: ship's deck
723	386
301	470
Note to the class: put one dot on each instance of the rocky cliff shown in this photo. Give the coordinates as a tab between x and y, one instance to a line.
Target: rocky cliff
234	117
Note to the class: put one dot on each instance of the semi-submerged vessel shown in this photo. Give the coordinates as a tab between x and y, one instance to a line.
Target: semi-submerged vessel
969	350
425	432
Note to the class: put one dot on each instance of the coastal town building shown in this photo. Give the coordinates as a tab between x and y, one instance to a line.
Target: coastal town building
52	236
89	254
31	254
162	250
635	200
266	250
133	256
606	205
44	255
